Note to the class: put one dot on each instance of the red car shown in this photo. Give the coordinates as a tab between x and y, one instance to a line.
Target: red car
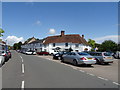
9	54
43	53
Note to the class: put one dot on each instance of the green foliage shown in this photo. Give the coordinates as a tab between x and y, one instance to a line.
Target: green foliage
17	45
118	48
1	31
108	45
91	43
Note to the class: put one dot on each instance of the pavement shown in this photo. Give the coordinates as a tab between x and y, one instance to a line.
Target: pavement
32	71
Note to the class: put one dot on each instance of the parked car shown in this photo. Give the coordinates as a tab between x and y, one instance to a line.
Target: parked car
116	55
24	52
2	60
5	54
43	53
30	52
77	58
59	55
9	54
102	57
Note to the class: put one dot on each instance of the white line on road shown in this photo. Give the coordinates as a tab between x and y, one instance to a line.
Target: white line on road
106	79
81	71
21	58
23	68
23	85
116	83
90	74
103	78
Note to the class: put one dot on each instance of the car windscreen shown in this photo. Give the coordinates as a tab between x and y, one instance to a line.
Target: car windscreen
84	54
30	51
96	54
106	54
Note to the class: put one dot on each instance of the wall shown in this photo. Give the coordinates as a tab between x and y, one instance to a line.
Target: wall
49	47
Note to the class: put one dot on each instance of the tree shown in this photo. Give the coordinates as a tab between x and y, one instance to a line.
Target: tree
1	31
118	48
109	45
91	43
17	45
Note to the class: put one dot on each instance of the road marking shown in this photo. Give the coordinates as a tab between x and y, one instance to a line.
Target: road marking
81	71
116	83
21	58
23	68
103	78
23	85
90	74
75	68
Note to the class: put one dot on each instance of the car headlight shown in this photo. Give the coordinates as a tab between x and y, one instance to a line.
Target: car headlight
57	55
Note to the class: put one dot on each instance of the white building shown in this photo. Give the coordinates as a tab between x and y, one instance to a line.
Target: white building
2	45
62	42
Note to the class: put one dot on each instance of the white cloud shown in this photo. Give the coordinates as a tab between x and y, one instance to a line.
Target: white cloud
115	38
37	22
52	31
13	39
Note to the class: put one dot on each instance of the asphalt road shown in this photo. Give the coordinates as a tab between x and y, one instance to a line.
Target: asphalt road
109	71
29	71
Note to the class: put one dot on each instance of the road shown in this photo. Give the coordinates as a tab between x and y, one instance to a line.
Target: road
109	71
29	71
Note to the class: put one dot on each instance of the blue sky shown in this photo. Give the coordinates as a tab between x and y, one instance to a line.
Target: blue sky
96	20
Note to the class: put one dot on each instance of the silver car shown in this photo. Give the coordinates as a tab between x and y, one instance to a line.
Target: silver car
77	58
102	57
2	59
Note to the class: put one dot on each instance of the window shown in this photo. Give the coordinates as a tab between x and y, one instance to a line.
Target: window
40	45
80	53
77	50
44	46
66	44
53	44
106	54
73	53
76	45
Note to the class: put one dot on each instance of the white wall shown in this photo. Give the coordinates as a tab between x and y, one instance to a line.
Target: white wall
63	47
49	47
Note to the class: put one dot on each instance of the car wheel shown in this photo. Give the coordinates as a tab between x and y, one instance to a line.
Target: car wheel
62	60
101	62
59	58
75	63
97	61
106	63
89	65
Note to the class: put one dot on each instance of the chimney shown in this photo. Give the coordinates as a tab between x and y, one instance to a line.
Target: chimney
82	36
62	33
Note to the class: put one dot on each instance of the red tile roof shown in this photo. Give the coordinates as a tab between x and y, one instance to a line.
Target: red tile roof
72	38
3	42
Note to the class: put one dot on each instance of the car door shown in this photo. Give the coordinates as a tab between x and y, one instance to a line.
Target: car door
72	57
67	57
